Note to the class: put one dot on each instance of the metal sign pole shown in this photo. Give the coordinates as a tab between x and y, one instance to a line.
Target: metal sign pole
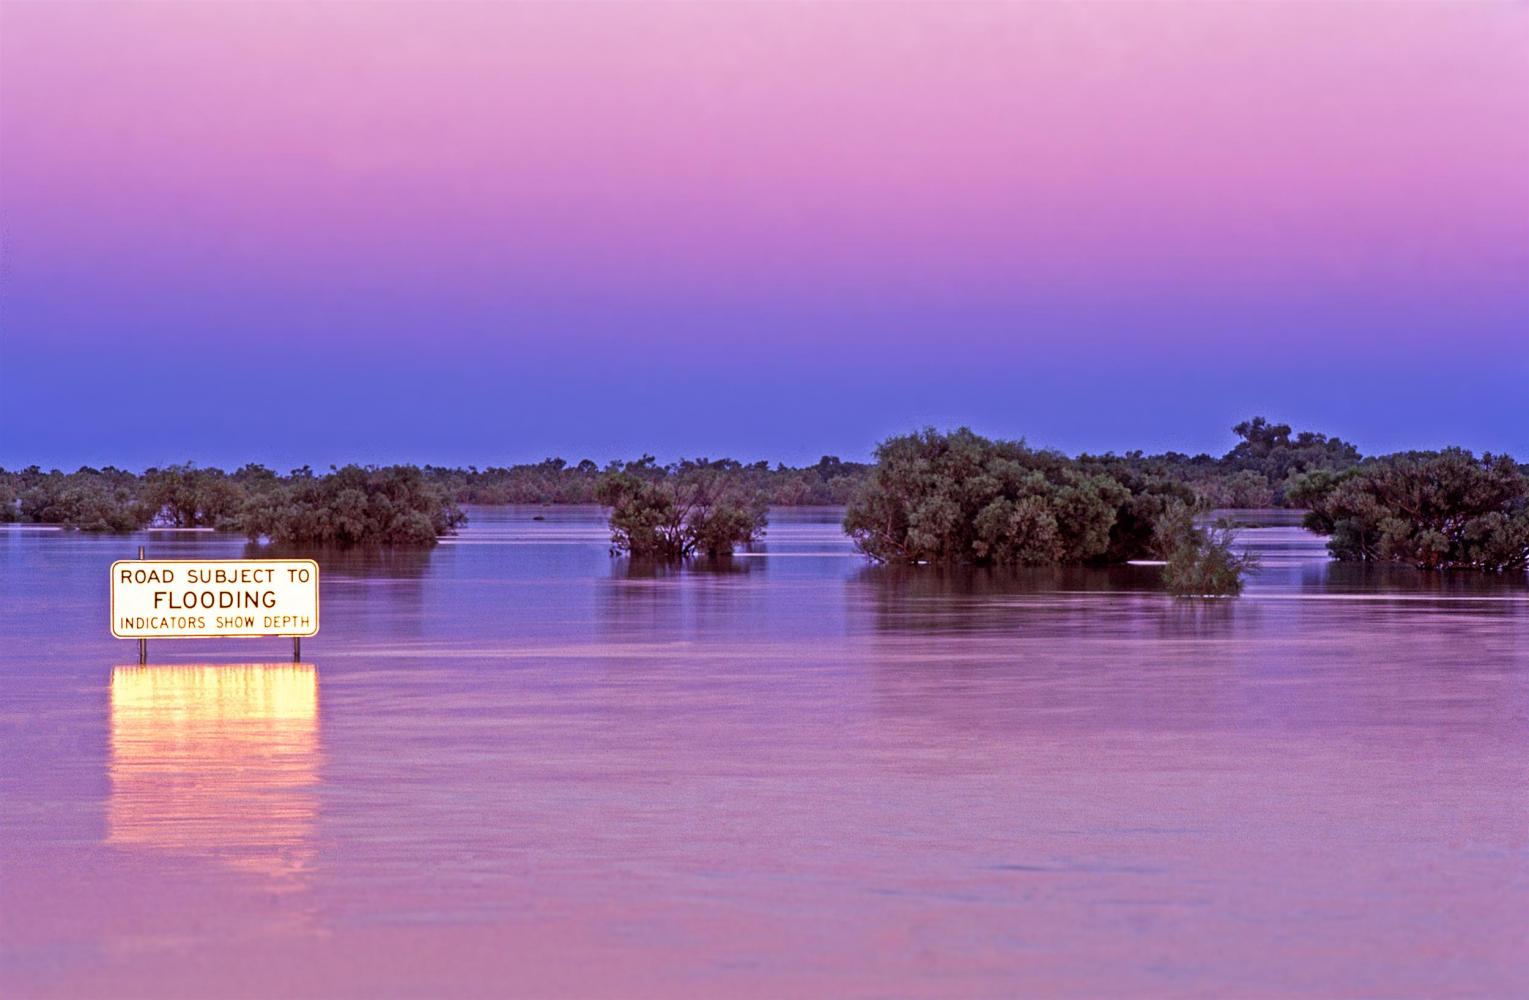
143	644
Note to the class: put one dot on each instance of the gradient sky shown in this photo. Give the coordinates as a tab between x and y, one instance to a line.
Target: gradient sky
473	232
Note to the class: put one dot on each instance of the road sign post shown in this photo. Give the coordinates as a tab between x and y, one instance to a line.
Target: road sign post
143	644
214	598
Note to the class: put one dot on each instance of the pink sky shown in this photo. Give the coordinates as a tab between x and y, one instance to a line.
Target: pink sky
1039	180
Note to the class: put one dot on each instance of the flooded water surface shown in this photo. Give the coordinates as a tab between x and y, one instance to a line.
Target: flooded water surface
516	766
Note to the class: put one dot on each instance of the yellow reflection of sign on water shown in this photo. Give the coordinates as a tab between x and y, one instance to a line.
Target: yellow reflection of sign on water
219	761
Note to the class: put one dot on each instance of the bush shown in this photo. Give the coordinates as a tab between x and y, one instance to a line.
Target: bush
675	513
88	499
10	497
1435	510
352	506
183	496
1201	563
962	498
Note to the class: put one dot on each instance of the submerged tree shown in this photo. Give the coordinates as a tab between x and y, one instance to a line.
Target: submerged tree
1435	510
1203	563
183	496
962	498
89	499
678	512
394	505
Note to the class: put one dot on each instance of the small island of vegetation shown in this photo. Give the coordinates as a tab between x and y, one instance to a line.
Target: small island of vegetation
962	498
1436	510
675	513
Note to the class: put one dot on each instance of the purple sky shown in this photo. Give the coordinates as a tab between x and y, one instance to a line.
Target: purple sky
489	233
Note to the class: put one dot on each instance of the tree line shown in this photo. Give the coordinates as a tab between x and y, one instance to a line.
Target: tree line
928	497
393	505
1256	473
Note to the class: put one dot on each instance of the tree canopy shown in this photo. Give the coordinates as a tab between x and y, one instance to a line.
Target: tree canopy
395	505
959	497
1436	510
673	513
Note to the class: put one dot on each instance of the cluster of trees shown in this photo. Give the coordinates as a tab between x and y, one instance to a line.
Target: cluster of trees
960	497
112	499
550	481
929	497
91	499
395	505
1257	472
675	512
1436	510
831	481
963	498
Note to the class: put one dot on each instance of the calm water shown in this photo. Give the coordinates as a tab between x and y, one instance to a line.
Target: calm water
514	765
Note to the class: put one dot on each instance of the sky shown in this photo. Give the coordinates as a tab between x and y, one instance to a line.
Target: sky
484	233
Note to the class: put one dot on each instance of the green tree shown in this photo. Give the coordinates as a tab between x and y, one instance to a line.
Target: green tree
1268	450
88	499
1436	510
962	498
1203	563
394	505
184	496
675	513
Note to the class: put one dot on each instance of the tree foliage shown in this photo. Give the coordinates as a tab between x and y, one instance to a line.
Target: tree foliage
962	498
89	499
1255	473
184	496
673	513
392	506
1268	450
1436	510
1202	562
395	505
929	497
555	481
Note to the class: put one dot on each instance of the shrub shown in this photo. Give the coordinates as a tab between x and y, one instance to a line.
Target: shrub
646	520
88	499
962	498
183	496
352	506
1435	510
675	513
1201	563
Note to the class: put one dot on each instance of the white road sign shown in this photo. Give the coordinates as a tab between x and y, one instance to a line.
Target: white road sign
225	598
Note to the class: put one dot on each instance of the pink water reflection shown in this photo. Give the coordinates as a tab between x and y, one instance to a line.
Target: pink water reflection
536	773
